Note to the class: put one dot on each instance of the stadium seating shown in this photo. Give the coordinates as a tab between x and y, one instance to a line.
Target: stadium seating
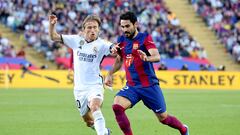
222	16
10	58
172	40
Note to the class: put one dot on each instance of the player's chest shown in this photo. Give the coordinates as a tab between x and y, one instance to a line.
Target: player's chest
87	53
88	49
132	47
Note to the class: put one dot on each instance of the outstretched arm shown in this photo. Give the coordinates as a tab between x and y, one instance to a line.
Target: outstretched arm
52	30
116	66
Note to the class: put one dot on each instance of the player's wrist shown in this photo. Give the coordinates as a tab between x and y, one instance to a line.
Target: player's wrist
110	73
146	58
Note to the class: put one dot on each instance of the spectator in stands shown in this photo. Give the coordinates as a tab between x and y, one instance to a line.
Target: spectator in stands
6	49
44	67
203	67
172	40
221	68
236	52
222	16
194	53
202	54
21	52
162	66
9	51
172	19
184	67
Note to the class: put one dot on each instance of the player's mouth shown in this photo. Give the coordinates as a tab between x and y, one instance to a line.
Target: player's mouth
127	34
93	35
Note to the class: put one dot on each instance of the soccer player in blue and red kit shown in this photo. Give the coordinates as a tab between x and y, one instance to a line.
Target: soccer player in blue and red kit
138	52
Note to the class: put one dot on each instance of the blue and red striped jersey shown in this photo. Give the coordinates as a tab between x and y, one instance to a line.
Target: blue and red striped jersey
139	73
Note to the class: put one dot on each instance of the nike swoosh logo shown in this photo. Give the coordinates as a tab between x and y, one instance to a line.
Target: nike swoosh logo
158	110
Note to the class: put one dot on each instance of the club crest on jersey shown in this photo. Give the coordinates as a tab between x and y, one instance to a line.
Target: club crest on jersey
95	51
129	60
135	46
81	43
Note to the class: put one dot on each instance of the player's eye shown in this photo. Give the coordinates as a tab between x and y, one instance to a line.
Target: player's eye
127	26
92	27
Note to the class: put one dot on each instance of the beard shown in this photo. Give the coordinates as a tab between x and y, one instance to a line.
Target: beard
130	34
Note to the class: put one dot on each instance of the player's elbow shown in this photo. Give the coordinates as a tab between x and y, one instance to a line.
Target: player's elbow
54	37
51	37
158	58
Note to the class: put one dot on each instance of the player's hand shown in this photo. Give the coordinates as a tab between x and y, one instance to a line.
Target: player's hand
116	49
108	80
142	55
52	19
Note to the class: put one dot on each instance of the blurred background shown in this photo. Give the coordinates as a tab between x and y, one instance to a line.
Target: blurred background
199	44
190	35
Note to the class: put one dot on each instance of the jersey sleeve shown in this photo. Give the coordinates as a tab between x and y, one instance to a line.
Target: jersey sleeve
148	43
107	47
70	40
120	40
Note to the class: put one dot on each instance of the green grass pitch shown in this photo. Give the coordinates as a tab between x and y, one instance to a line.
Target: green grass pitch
53	112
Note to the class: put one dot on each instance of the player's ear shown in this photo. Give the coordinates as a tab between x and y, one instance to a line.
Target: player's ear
82	28
135	24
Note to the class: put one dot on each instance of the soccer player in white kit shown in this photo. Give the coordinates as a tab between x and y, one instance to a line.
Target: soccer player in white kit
88	52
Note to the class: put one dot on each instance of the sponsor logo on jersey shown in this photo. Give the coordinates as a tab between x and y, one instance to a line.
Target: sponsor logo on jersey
135	46
129	60
86	57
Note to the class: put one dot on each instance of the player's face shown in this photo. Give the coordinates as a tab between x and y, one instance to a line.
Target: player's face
91	30
128	28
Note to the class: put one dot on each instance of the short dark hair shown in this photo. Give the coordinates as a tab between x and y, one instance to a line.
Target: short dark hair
129	16
91	18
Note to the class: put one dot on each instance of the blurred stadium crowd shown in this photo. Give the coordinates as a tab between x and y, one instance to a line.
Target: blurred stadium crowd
7	49
31	17
223	17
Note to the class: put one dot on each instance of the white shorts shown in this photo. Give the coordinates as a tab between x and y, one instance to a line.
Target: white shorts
83	97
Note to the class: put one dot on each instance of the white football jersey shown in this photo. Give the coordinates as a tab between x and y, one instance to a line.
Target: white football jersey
86	59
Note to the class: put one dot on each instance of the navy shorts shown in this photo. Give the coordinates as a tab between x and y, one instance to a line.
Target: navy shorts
151	96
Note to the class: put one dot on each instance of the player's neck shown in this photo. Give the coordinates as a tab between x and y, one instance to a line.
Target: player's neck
135	34
90	40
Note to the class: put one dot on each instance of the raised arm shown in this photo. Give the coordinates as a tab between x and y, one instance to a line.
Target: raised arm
52	30
116	66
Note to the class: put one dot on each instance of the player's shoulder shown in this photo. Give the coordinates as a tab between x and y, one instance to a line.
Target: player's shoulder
121	38
72	35
143	34
103	41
